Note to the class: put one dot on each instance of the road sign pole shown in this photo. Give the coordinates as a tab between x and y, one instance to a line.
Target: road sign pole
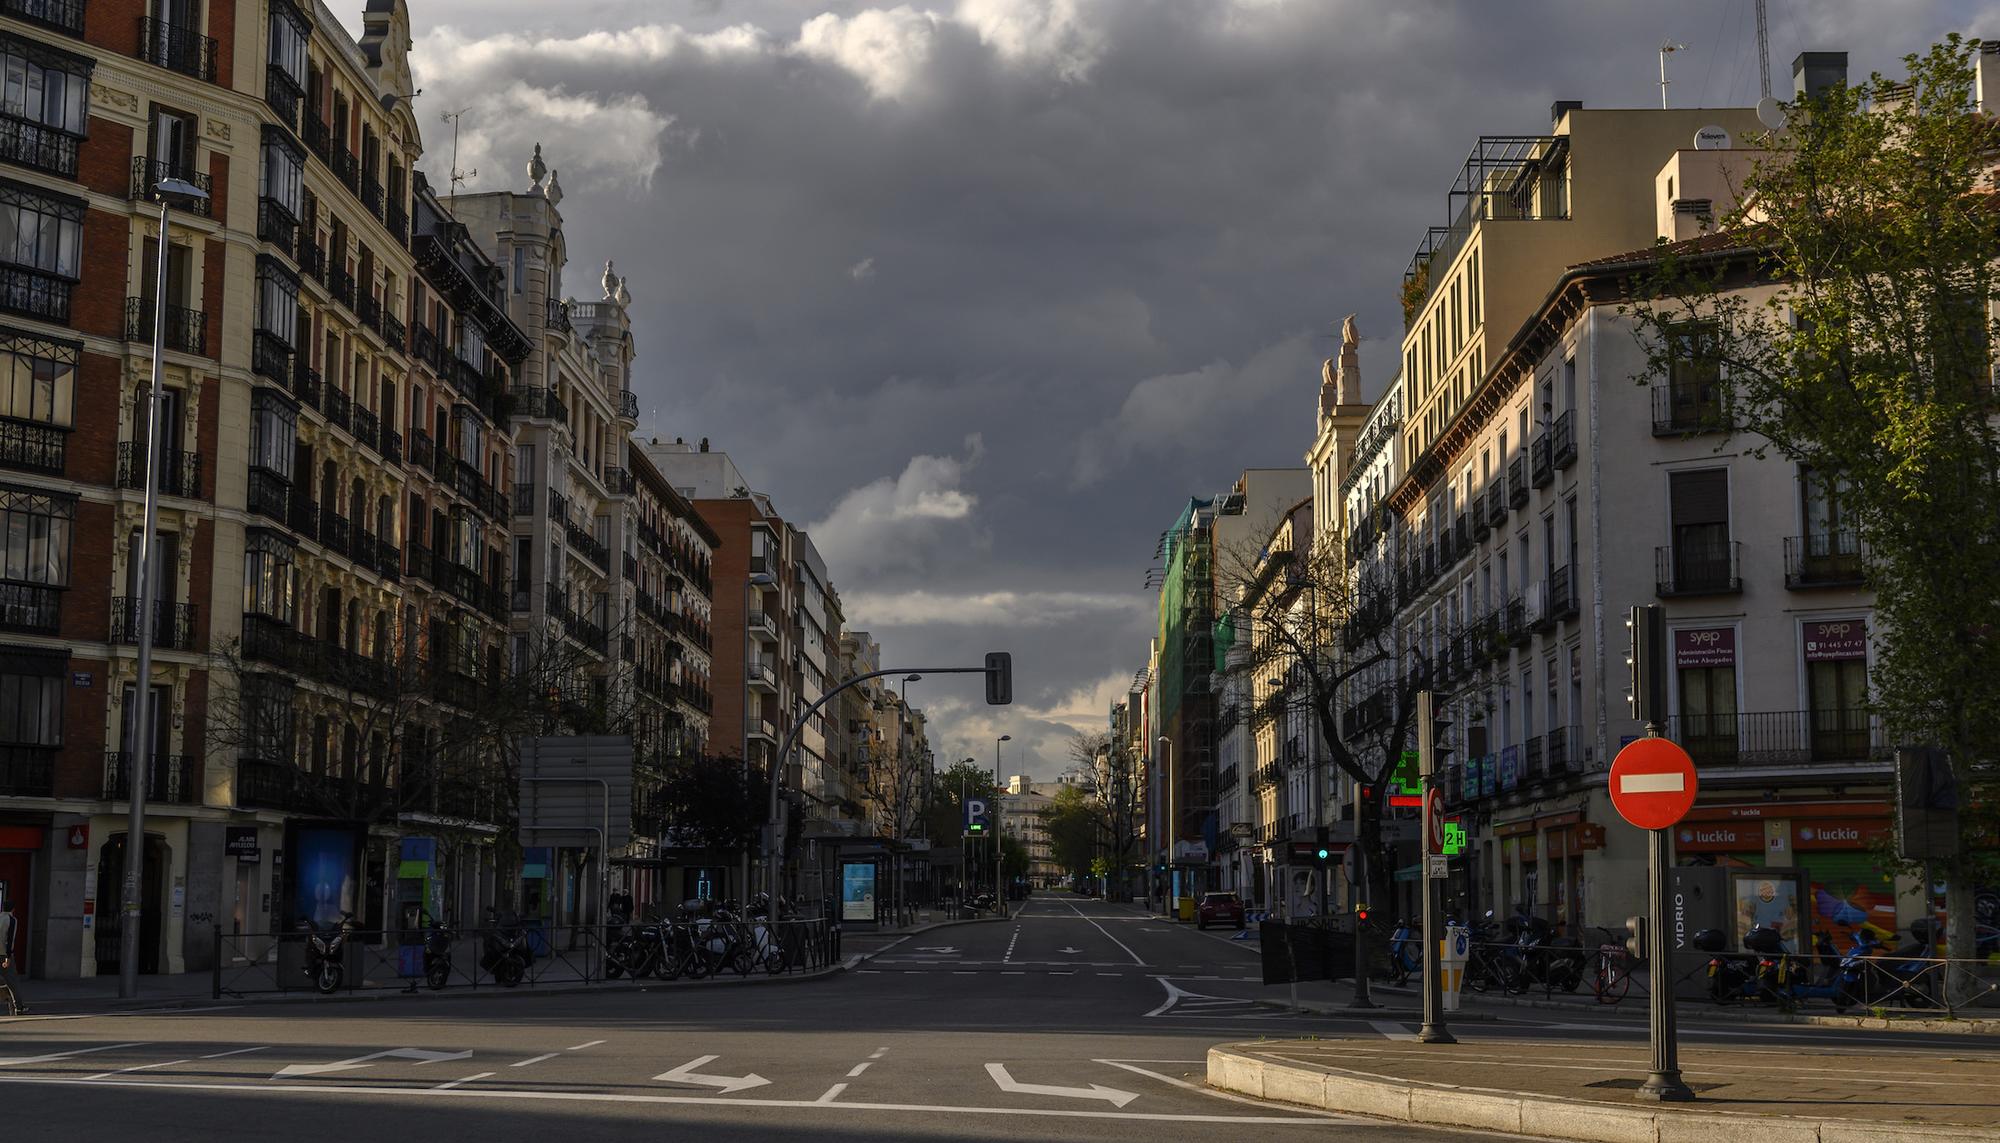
1664	1082
1433	1030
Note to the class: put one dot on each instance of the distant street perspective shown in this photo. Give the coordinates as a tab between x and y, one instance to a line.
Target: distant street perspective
1001	569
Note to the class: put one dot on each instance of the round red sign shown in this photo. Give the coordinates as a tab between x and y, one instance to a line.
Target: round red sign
1433	820
1653	783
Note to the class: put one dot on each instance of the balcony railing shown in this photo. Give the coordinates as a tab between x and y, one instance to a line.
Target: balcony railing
305	517
628	404
398	221
338	406
277	225
35	293
1780	738
169	777
1541	471
1699	568
332	530
283	94
619	480
1565	439
32	447
1680	409
176	49
1496	501
33	608
1565	751
420	450
538	401
366	426
1824	559
38	145
62	15
179	476
269	495
187	330
1563	601
147	173
1534	762
394	331
1517	482
559	316
28	771
341	283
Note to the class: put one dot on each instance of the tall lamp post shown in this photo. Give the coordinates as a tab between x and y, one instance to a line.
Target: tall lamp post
1169	828
170	192
999	830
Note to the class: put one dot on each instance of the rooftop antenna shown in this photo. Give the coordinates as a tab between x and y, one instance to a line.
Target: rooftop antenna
1763	53
457	176
1665	49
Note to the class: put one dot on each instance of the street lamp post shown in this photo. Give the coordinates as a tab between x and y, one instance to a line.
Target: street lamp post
1170	829
999	829
169	191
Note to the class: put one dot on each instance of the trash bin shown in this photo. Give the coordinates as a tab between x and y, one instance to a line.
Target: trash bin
1187	909
1452	953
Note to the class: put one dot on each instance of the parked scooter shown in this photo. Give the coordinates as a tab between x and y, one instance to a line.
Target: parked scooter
1405	952
506	952
1552	961
1871	974
324	964
438	938
1731	976
1786	978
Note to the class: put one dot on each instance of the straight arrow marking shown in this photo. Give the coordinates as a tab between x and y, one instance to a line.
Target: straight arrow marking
1095	1091
420	1055
686	1074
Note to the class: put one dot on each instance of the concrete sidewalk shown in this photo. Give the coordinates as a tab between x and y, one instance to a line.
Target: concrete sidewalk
1584	1090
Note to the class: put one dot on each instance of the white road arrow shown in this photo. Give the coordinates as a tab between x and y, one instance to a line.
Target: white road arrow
1094	1091
685	1074
942	950
421	1055
1069	950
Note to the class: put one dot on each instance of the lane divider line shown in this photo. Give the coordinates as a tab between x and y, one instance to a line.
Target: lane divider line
835	1090
581	1047
448	1085
858	1069
534	1059
237	1052
135	1068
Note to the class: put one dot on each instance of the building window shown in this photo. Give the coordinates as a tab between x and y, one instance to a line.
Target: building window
289	31
1705	672
31	698
282	180
44	105
35	531
37	379
520	269
1699	509
270	576
1836	655
270	730
277	303
41	235
273	433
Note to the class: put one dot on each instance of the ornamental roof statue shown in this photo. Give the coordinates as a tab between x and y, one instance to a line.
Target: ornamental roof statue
537	168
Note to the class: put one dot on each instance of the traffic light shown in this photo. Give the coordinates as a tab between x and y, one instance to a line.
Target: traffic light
1361	913
1647	662
1325	851
1440	732
1635	938
999	678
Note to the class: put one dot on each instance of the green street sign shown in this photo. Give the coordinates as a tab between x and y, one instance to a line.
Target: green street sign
1454	837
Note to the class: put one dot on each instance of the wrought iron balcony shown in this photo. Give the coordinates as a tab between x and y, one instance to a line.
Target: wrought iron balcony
1565	751
33	608
180	475
176	49
558	316
64	16
1541	471
1681	409
187	330
277	225
341	283
25	142
305	516
1496	501
392	446
1517	482
147	173
282	92
394	331
628	404
366	426
1825	559
269	495
1780	738
338	406
332	530
398	221
169	777
619	480
35	293
1565	439
32	447
1698	568
1563	594
371	197
28	771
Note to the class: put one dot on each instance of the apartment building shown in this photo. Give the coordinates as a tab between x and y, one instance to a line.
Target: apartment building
1559	494
322	318
1024	816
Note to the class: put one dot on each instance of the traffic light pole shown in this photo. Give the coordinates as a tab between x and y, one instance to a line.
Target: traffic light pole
1664	1082
1433	1030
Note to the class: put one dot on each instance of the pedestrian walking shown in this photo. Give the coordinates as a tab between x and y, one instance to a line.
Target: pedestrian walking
9	980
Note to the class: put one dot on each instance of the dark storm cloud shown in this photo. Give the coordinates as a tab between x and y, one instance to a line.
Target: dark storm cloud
982	293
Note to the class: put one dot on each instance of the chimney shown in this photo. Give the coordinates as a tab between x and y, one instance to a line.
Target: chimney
1814	72
1561	108
704	444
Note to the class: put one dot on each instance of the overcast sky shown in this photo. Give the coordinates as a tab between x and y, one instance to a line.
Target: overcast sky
982	292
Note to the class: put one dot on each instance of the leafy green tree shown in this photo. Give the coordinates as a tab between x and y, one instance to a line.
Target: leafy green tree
1075	839
1851	325
962	779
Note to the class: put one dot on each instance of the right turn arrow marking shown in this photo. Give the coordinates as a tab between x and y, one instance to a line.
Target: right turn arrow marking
686	1074
1094	1091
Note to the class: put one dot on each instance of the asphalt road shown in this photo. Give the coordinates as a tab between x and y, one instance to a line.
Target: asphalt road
1074	1020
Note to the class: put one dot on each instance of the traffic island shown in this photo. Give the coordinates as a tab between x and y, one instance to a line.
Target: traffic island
1584	1090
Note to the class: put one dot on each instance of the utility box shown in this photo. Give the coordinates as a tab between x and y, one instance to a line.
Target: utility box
1699	900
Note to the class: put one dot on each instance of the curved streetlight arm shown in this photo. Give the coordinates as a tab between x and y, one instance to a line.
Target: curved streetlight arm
772	846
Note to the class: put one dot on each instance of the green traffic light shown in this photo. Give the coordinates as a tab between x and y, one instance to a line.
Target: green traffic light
1323	855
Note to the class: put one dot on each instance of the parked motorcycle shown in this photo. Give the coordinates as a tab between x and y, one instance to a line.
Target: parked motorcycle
506	952
1871	973
324	964
438	938
1552	961
1491	964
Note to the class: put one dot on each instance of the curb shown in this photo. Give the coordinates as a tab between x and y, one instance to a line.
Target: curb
1382	1013
1486	1109
1975	1026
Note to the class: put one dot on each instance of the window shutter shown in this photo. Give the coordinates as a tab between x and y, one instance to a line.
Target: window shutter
1700	497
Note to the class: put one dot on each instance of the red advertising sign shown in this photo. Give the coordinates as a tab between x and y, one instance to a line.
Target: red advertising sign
1704	647
1718	837
1653	783
1836	640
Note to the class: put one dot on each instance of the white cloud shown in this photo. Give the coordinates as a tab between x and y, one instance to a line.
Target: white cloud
1052	33
863	270
888	50
894	522
986	608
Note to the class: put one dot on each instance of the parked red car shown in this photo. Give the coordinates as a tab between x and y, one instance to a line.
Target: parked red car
1217	909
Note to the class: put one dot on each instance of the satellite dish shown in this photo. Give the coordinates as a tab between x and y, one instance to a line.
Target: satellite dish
1770	114
1711	138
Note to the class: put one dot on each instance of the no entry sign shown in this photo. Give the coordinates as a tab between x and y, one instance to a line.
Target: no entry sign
1653	783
